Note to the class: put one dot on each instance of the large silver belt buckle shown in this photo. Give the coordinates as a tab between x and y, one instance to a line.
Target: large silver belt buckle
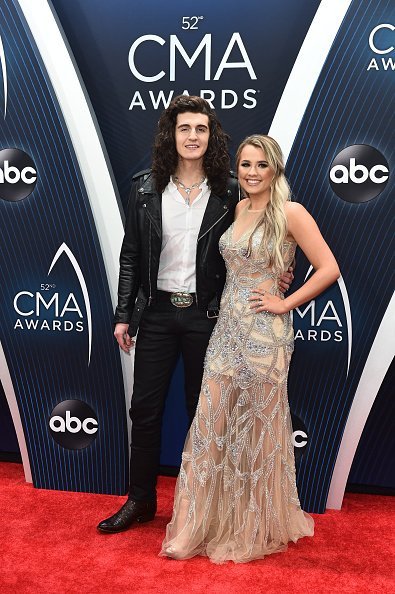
181	299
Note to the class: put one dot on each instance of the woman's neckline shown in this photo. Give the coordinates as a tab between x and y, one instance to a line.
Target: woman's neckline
249	209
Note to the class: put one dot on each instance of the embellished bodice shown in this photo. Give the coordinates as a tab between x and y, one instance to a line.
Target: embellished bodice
246	269
245	343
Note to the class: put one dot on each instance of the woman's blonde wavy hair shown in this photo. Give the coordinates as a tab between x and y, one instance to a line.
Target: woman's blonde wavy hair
273	219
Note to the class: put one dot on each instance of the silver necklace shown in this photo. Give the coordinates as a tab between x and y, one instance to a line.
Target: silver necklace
187	189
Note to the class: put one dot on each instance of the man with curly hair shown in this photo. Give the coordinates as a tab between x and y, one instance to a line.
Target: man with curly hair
171	279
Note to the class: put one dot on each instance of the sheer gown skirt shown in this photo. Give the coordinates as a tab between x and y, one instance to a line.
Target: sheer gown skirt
236	497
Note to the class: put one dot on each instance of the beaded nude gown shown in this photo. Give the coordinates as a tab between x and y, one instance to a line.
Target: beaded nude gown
236	497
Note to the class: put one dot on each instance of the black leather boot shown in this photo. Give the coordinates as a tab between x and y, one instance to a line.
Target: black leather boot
130	512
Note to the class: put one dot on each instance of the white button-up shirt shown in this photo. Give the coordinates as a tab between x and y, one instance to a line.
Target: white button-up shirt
180	228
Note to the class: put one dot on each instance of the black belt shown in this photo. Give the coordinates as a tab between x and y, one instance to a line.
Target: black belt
178	299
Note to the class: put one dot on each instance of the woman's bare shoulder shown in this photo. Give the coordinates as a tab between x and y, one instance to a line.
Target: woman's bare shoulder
294	208
296	216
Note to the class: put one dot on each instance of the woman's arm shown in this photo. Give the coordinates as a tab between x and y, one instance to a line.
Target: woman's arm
304	230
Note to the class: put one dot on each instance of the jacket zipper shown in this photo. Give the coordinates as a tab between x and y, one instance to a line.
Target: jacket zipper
213	225
149	256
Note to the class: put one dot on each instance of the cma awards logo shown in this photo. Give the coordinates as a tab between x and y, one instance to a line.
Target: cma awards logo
382	43
325	320
73	424
49	310
174	51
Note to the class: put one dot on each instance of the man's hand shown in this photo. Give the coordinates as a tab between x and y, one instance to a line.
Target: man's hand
123	338
285	280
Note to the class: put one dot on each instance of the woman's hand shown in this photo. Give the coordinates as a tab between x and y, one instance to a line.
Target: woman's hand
123	338
263	301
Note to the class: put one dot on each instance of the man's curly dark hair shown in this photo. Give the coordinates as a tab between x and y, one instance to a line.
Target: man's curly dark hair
216	161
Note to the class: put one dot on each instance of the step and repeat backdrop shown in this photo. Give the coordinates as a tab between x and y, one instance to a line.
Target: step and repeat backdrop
82	85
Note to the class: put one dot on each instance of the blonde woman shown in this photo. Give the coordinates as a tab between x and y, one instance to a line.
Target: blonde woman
236	497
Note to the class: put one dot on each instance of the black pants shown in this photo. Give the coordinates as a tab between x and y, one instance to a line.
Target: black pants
165	332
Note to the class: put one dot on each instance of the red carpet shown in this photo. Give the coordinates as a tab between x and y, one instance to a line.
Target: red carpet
49	545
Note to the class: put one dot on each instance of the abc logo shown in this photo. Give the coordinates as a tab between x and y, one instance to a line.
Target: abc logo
73	424
18	175
358	173
299	436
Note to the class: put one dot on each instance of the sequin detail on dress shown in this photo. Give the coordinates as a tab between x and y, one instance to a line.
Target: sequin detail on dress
236	497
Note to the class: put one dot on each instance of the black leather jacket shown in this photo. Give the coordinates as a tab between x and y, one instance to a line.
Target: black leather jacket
142	244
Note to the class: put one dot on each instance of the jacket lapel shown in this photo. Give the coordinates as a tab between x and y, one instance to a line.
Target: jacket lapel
216	209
